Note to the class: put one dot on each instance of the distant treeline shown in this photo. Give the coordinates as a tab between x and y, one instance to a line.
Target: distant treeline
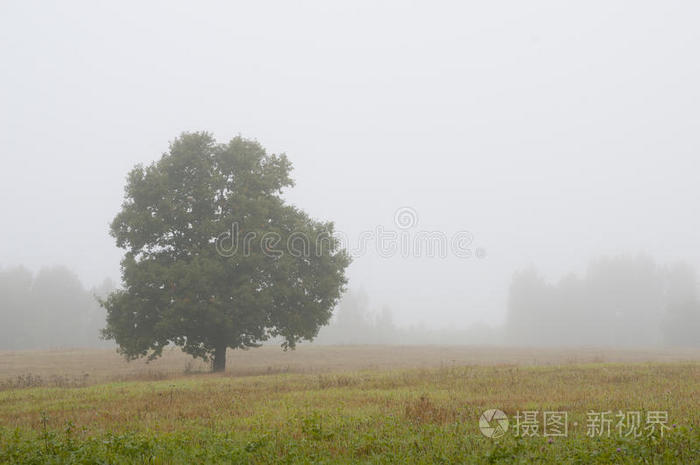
49	309
355	323
619	301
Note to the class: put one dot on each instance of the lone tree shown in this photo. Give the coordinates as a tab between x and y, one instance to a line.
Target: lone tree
215	258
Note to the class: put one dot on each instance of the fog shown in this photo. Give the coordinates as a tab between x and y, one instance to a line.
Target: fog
555	134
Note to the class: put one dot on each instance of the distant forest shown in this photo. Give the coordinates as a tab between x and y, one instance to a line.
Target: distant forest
618	302
49	309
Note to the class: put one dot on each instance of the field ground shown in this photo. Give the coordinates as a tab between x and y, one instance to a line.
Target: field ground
70	367
343	405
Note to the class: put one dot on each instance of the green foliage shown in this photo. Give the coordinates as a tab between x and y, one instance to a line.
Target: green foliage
344	443
182	287
294	419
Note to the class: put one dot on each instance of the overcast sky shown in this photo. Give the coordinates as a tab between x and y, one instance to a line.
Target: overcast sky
553	132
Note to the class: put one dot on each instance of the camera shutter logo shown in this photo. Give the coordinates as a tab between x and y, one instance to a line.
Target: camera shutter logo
493	423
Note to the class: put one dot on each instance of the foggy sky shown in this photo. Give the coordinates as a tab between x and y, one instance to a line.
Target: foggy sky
554	132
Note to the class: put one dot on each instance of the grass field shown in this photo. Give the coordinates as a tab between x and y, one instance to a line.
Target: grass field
345	405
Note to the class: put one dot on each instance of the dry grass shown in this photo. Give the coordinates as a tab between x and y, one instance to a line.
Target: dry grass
82	367
436	396
425	409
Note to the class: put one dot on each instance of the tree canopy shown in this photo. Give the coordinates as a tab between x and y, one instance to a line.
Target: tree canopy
215	258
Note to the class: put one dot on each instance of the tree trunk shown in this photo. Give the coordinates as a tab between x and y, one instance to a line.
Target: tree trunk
219	363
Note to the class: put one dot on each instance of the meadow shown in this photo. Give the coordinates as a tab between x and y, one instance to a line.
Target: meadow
352	404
